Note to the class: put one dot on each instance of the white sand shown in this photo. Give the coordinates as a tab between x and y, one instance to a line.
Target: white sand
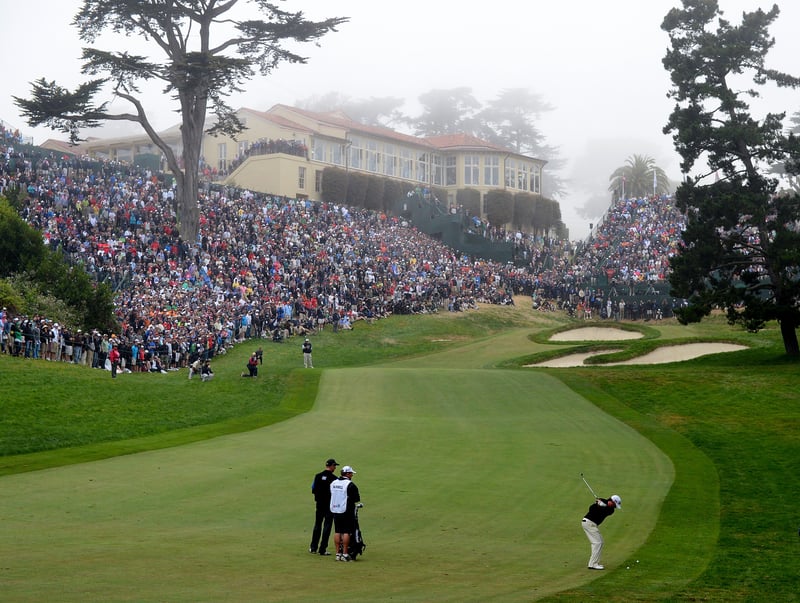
679	353
672	353
571	360
596	334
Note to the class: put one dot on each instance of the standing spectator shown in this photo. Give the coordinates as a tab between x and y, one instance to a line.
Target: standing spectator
19	338
323	520
113	358
37	339
103	350
54	344
67	346
598	511
134	355
344	496
5	329
307	362
77	347
27	332
89	345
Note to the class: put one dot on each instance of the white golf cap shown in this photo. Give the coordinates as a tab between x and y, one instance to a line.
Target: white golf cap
617	501
348	469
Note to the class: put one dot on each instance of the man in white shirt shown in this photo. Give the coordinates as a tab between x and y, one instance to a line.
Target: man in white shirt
344	496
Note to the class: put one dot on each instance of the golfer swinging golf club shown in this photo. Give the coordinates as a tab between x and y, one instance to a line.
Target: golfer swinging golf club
598	511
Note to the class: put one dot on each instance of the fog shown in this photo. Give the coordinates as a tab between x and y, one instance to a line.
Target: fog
598	64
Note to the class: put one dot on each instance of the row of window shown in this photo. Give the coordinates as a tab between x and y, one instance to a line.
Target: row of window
397	161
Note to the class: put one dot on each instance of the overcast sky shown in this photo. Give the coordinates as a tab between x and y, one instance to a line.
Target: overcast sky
597	63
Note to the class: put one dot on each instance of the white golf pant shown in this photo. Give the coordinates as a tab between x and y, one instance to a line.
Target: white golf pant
596	540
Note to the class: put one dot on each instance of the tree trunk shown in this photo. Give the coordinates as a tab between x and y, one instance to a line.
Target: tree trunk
188	208
193	111
789	334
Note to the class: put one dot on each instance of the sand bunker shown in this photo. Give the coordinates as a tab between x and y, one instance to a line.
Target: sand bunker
571	360
671	353
596	334
678	353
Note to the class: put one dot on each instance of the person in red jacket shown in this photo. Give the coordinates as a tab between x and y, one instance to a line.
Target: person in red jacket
252	366
113	357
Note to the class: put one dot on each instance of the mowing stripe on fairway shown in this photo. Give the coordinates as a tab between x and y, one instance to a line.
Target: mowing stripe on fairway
470	478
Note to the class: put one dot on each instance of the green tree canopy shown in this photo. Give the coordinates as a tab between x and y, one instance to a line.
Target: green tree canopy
36	275
499	205
21	246
205	51
524	206
741	247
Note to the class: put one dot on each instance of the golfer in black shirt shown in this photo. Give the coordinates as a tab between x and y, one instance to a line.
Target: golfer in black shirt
323	522
598	511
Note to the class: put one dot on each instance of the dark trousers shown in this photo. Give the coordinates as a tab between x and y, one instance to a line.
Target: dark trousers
322	526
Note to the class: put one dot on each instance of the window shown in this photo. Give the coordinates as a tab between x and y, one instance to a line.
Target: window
536	186
523	180
389	160
222	154
472	169
491	171
450	175
301	178
337	154
318	150
318	181
356	153
405	163
372	156
511	173
422	167
436	162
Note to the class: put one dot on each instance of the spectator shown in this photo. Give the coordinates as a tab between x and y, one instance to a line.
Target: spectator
307	360
206	374
252	366
113	357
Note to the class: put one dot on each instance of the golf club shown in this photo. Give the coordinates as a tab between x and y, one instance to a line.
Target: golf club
588	486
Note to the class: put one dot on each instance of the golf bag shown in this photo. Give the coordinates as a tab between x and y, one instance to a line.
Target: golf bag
357	544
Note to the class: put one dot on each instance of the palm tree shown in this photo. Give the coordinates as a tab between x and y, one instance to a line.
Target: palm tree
638	178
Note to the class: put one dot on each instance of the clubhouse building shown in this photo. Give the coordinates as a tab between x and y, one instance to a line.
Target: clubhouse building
284	151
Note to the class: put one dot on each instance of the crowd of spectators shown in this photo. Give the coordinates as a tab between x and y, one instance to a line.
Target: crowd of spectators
276	267
265	266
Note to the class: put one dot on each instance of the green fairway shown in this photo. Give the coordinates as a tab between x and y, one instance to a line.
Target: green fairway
469	468
471	483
